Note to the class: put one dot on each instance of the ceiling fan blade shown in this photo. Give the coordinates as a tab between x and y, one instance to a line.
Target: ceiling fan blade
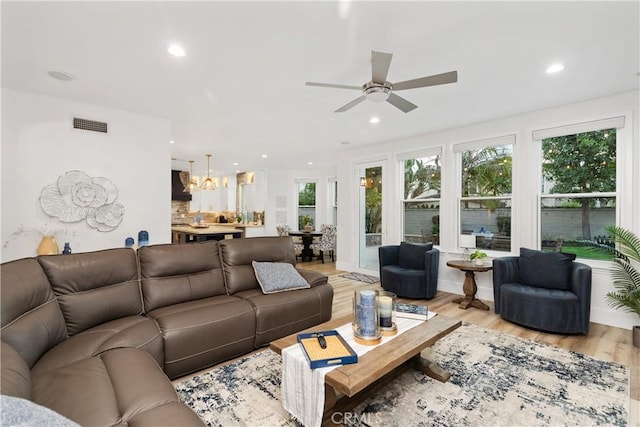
401	103
436	79
332	85
380	62
350	105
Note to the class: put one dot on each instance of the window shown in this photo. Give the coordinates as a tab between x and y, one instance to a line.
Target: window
421	198
333	188
485	191
578	188
306	204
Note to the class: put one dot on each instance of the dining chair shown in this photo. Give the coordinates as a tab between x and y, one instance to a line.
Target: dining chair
327	241
283	230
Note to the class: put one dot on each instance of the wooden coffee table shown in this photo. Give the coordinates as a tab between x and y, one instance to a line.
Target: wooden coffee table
344	386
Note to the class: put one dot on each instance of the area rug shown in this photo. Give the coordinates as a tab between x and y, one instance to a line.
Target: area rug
496	379
361	277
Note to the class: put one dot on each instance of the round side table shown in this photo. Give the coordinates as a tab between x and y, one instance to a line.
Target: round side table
470	288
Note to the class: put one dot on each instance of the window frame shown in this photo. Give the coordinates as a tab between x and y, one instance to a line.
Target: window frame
458	150
297	183
619	122
401	158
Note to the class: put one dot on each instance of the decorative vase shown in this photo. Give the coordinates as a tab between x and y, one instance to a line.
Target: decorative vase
387	313
48	246
479	261
636	336
367	323
308	228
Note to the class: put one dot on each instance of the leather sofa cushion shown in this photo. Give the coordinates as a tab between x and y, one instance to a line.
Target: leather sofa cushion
284	313
133	331
237	255
16	376
201	333
411	255
314	278
116	387
172	274
94	287
30	316
550	270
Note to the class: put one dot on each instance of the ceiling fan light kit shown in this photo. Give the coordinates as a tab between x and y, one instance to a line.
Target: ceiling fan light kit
379	89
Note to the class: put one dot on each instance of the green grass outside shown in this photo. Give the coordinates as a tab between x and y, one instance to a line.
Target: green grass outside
586	252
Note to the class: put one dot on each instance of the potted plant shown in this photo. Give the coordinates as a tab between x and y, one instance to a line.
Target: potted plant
625	272
478	256
307	223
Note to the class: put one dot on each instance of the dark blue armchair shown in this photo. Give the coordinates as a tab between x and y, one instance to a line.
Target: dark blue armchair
410	270
546	291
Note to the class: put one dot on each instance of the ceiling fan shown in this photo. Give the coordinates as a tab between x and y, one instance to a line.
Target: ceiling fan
379	89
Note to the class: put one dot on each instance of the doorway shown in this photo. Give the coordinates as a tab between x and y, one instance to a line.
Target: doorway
371	226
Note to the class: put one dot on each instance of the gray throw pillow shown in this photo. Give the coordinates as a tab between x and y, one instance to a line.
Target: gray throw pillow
18	412
551	270
278	277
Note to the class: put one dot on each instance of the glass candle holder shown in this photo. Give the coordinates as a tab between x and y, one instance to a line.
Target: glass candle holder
367	322
387	313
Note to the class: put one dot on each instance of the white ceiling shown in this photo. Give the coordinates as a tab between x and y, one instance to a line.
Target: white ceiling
239	92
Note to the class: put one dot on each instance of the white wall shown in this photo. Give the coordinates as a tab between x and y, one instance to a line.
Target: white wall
525	185
39	145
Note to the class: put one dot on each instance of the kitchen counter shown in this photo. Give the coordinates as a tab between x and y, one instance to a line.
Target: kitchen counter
234	224
186	233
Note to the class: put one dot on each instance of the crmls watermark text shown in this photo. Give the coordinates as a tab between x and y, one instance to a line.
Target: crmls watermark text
349	417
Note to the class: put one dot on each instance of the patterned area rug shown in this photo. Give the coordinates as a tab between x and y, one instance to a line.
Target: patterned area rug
361	277
496	380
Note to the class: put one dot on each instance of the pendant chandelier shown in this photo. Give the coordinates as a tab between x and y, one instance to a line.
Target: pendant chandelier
208	183
192	185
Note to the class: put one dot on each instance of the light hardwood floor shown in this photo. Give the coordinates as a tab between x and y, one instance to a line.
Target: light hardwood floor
602	342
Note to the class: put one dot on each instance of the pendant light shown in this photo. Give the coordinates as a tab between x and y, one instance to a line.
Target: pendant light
192	185
208	183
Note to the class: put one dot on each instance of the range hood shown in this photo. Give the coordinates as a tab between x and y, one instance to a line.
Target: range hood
177	187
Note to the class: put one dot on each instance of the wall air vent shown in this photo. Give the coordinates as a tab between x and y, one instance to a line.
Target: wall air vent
91	125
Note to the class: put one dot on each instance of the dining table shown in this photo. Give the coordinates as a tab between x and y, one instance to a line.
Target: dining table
307	240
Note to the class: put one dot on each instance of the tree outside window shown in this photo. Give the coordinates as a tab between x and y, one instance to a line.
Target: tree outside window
485	203
306	204
578	197
422	180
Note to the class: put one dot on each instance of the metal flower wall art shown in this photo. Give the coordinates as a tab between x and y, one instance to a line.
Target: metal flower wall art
76	196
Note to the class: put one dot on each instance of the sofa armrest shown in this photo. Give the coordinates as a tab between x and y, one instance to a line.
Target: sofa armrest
314	278
581	286
431	265
505	270
388	255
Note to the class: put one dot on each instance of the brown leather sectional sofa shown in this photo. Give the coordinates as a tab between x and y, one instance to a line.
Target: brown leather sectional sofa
94	336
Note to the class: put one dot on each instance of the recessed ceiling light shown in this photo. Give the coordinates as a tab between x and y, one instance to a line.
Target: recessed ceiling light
374	120
235	163
172	142
554	68
176	50
309	163
61	75
264	156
